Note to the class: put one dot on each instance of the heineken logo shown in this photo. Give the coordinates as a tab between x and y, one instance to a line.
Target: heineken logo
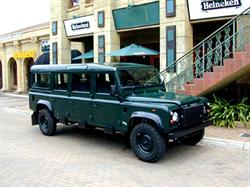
79	26
217	4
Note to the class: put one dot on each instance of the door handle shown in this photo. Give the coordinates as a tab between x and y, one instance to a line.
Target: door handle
96	105
72	102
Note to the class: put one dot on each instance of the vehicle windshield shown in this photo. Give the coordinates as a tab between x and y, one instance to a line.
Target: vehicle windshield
138	77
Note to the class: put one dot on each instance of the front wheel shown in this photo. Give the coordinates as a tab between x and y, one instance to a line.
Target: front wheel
46	122
146	142
194	138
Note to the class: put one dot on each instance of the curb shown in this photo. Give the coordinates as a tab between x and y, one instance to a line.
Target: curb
226	143
14	95
13	110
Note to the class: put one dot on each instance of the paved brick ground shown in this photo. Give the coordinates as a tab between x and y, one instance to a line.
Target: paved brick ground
78	158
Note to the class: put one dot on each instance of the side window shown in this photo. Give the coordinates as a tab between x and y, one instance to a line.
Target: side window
103	82
81	82
41	80
61	81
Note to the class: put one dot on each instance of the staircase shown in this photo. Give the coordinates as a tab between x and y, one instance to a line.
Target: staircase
218	60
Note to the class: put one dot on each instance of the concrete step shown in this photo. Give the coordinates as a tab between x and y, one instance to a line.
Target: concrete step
198	84
188	87
247	48
239	60
228	63
246	62
218	68
240	55
208	75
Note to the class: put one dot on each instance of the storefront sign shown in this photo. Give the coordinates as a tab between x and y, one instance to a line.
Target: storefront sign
207	9
79	26
45	46
24	54
213	4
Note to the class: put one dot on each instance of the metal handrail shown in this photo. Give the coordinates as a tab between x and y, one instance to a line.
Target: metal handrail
209	37
210	52
201	47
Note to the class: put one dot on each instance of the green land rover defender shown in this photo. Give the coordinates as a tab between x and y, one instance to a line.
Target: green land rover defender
124	98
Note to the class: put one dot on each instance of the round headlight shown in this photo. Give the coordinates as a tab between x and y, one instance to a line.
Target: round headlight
175	117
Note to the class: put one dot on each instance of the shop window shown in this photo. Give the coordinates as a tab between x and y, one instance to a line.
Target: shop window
101	18
170	8
54	52
54	28
61	81
81	82
101	49
171	44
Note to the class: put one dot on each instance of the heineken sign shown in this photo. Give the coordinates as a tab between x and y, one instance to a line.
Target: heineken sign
211	9
79	26
215	4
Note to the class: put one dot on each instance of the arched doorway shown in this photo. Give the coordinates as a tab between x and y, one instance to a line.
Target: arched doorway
1	75
12	74
28	62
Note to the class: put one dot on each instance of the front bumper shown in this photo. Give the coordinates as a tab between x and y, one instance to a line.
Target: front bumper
184	132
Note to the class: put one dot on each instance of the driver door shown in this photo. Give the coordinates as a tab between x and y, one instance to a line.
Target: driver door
106	108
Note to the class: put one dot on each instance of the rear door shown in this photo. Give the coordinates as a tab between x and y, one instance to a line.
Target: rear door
59	97
80	98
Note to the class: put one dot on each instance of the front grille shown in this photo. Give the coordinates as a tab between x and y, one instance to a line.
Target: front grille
192	115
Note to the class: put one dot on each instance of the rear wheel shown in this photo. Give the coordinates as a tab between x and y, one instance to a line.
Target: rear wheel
46	122
194	138
146	142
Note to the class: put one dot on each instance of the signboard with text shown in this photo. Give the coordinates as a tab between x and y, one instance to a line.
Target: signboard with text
207	9
24	54
79	26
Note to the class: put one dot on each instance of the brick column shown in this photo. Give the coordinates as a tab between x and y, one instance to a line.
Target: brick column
112	38
184	30
58	11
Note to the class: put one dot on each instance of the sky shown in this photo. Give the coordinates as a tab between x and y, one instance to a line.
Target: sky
18	14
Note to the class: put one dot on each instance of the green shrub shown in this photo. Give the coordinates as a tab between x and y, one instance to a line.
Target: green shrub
224	115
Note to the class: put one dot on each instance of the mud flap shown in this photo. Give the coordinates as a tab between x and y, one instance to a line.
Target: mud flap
34	119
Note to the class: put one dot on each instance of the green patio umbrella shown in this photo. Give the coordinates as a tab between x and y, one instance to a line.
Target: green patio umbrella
87	55
133	50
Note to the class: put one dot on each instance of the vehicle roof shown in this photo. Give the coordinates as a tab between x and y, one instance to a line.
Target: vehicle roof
85	67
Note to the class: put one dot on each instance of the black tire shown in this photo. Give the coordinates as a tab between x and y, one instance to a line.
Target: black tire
146	142
46	122
194	138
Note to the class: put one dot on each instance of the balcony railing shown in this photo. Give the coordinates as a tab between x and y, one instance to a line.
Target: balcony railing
212	51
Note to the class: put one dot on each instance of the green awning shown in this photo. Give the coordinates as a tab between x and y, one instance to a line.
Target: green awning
133	50
137	16
87	55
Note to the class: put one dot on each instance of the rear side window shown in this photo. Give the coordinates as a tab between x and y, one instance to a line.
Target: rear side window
41	80
61	81
81	82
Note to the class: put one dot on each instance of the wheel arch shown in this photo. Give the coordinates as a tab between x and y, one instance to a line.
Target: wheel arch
145	117
43	104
